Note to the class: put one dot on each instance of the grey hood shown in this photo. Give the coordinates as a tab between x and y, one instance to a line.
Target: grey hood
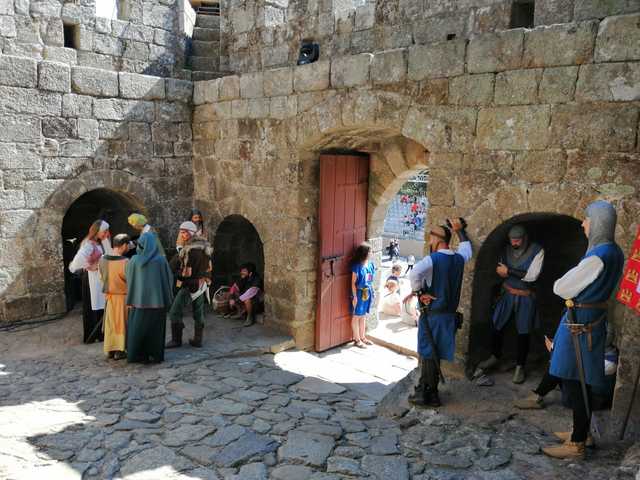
602	217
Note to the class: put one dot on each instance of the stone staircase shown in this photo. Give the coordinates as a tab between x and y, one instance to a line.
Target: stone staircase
205	47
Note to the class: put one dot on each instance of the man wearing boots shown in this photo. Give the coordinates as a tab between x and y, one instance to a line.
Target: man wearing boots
520	265
192	269
437	281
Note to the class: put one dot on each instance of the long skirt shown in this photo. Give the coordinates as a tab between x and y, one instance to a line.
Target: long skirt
90	318
146	328
115	323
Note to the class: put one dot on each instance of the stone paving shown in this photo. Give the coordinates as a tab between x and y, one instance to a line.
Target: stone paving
243	415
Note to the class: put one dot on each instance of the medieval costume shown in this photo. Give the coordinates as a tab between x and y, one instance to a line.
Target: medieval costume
586	289
439	276
149	294
249	289
93	301
517	299
140	223
112	274
192	269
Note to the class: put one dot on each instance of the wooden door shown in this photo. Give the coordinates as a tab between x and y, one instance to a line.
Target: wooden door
343	226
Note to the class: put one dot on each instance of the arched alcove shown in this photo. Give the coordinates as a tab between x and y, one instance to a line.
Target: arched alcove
100	204
236	242
564	242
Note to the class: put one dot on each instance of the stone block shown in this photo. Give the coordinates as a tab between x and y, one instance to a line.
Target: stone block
6	7
55	127
77	105
11	199
17	156
365	16
84	38
18	128
389	67
96	60
108	45
441	128
278	82
275	56
18	71
7	27
350	71
558	84
517	87
514	128
594	127
179	90
109	130
258	108
118	109
618	39
230	87
94	81
541	166
438	28
88	129
145	87
251	85
444	59
158	16
495	52
557	45
60	54
553	11
609	82
283	107
23	101
472	89
54	76
312	77
38	193
13	222
587	9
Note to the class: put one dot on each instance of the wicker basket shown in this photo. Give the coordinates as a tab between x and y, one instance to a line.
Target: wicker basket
220	300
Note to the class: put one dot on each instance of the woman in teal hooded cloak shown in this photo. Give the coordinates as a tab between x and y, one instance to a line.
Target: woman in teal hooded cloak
149	295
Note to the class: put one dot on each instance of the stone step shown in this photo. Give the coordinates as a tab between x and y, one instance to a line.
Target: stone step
207	64
208	21
206	34
200	48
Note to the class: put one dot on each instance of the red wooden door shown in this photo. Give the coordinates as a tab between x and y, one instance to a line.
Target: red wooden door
343	225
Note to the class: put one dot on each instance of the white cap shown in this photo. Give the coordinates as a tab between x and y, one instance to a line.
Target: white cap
104	226
189	227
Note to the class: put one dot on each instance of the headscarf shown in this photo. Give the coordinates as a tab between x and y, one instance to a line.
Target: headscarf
517	232
189	227
137	220
602	223
147	248
104	226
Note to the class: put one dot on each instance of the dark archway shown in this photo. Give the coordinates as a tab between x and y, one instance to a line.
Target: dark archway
236	242
100	204
564	242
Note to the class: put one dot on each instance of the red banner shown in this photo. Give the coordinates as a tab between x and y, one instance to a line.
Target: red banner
629	292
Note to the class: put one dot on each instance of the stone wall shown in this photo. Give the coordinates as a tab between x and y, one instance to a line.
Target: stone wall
150	40
66	130
264	34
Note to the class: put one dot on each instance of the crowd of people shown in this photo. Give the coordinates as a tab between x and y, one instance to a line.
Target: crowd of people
129	287
414	220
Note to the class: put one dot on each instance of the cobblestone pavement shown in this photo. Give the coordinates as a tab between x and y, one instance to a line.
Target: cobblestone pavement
205	415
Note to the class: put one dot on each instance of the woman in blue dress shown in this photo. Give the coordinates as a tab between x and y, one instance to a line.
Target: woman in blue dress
362	273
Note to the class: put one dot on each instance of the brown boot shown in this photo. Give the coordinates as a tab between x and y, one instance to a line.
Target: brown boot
532	402
568	450
566	437
176	336
196	341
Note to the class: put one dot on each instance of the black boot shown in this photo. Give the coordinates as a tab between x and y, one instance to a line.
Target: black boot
431	397
418	395
176	335
196	341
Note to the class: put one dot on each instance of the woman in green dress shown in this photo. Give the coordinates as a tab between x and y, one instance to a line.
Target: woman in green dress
149	295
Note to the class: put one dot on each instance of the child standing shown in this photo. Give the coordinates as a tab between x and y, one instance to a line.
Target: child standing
362	275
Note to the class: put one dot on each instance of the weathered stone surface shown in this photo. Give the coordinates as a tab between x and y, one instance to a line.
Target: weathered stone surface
389	67
247	446
199	453
517	87
541	45
514	128
19	128
444	59
346	466
229	87
187	433
223	406
472	89
278	82
118	109
29	101
64	128
440	128
151	459
225	436
60	54
179	90
252	471
386	467
542	166
618	39
312	77
558	84
251	85
77	106
18	71
143	87
281	377
351	71
495	52
608	82
307	448
93	81
54	76
7	27
321	387
291	472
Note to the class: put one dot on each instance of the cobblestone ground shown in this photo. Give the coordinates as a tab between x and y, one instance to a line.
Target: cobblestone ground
210	415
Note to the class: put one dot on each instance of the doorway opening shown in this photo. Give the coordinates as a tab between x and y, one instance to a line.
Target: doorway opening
100	204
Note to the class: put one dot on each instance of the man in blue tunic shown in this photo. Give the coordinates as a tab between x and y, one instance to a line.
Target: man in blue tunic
437	281
520	266
586	289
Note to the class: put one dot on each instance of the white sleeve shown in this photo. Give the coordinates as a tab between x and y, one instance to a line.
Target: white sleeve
578	278
534	269
106	245
81	260
423	270
465	250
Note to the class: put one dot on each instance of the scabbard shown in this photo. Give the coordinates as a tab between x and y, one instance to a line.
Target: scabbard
571	316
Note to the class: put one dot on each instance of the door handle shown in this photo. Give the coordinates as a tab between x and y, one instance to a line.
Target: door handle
331	262
331	258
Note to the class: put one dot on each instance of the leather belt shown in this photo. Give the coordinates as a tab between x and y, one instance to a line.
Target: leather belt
585	328
517	291
599	306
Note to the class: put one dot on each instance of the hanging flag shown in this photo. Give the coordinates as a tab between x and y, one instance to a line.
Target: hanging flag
629	292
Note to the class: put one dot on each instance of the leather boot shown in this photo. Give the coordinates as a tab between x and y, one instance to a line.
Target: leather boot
519	375
569	449
176	336
417	397
431	397
532	402
566	437
249	320
196	341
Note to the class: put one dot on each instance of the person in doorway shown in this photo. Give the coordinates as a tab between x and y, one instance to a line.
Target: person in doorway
149	295
247	295
114	281
519	266
437	281
192	269
362	273
95	244
586	289
140	223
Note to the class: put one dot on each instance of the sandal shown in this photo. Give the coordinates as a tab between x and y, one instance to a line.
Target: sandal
359	344
366	341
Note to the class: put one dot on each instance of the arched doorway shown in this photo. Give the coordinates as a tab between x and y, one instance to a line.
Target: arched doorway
564	242
236	242
99	204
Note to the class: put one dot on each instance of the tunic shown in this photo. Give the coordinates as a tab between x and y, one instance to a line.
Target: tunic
591	281
112	272
523	308
364	287
87	258
441	275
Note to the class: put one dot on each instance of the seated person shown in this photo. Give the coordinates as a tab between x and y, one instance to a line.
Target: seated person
392	303
247	295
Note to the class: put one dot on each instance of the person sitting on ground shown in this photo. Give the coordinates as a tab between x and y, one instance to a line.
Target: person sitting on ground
392	303
140	223
396	270
247	295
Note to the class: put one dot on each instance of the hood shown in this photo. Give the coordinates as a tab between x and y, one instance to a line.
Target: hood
602	223
147	248
197	243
